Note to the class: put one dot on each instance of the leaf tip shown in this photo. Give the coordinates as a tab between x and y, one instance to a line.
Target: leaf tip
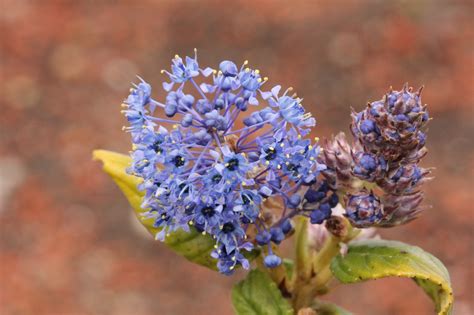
99	154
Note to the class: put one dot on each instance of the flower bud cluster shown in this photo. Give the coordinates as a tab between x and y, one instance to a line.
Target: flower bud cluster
389	144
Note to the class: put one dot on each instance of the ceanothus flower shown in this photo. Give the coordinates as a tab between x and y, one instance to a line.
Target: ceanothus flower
135	111
290	110
202	171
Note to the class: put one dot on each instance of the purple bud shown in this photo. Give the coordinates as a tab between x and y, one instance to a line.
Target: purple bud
286	226
203	106
240	103
367	126
364	209
333	200
187	120
228	68
317	216
226	84
187	100
294	201
272	261
171	109
250	121
314	195
263	238
219	103
277	235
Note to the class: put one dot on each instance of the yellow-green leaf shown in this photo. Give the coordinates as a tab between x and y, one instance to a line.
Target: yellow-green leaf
374	259
258	295
192	245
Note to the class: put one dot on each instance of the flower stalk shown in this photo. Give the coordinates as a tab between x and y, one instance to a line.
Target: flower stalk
314	273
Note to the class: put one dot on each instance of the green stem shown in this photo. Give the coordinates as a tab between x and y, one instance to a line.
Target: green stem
330	249
317	284
303	268
303	261
308	289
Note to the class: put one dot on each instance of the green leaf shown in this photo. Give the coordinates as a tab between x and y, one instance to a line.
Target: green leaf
374	259
192	245
258	295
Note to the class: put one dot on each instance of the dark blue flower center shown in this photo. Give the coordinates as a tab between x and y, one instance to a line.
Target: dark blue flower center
179	161
271	154
208	211
233	164
228	228
292	168
182	186
216	178
157	146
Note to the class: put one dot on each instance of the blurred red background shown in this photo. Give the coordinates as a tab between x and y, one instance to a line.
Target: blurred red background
69	243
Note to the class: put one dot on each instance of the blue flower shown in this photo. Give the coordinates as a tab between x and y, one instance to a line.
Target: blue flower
272	154
248	204
250	79
181	71
230	234
208	216
290	109
135	111
227	261
215	120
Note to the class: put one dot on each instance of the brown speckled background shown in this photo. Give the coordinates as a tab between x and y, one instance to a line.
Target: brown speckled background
68	242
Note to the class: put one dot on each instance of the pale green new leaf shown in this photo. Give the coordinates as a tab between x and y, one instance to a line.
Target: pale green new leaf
192	245
374	259
258	295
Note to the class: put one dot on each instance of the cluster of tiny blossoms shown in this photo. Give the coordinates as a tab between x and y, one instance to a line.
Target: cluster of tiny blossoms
204	168
380	172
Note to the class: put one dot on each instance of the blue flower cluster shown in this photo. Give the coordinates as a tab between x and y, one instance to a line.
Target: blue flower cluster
204	168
